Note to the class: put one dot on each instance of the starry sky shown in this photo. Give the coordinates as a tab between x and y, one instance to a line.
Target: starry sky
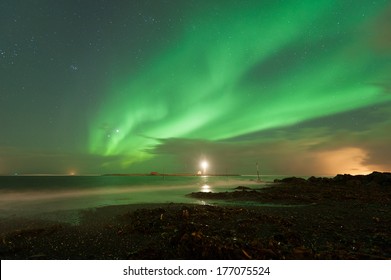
89	87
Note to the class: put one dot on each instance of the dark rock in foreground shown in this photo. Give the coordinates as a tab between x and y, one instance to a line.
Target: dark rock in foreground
174	231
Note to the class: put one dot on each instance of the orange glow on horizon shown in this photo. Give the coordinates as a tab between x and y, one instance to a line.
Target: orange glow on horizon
347	160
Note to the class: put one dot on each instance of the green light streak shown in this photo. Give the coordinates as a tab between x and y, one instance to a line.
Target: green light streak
199	87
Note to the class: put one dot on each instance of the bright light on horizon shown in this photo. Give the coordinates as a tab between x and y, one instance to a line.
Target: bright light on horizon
204	165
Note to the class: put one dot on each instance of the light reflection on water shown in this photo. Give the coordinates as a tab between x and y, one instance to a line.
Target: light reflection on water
26	196
206	188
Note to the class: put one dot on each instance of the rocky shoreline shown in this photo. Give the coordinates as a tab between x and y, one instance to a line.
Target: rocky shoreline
374	187
345	217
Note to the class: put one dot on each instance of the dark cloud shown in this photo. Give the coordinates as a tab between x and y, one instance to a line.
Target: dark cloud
274	157
316	147
303	151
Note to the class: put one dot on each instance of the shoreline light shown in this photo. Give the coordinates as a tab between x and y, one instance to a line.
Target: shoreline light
204	165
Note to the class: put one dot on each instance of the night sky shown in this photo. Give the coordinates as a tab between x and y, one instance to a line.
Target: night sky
107	86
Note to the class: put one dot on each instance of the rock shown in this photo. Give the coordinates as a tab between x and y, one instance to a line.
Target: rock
242	188
185	214
319	180
342	178
353	183
380	179
302	253
294	180
375	179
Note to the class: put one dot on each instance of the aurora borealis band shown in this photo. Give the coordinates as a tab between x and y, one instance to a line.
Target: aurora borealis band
303	87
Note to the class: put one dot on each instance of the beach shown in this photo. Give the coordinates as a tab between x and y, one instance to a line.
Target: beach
345	217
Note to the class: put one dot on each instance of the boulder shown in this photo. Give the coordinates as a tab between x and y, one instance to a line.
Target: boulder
242	188
294	180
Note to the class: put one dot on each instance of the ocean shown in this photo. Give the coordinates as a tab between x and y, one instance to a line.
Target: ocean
26	196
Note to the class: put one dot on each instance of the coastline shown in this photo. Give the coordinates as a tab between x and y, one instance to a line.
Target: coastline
170	174
346	217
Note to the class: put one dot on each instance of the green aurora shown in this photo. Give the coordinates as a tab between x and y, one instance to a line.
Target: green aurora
110	86
245	67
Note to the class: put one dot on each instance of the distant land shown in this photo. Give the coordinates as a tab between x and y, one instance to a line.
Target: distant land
167	174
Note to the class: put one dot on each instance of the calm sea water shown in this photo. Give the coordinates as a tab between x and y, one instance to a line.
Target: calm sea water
30	195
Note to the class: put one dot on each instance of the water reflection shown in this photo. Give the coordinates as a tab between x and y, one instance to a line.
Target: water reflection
206	188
